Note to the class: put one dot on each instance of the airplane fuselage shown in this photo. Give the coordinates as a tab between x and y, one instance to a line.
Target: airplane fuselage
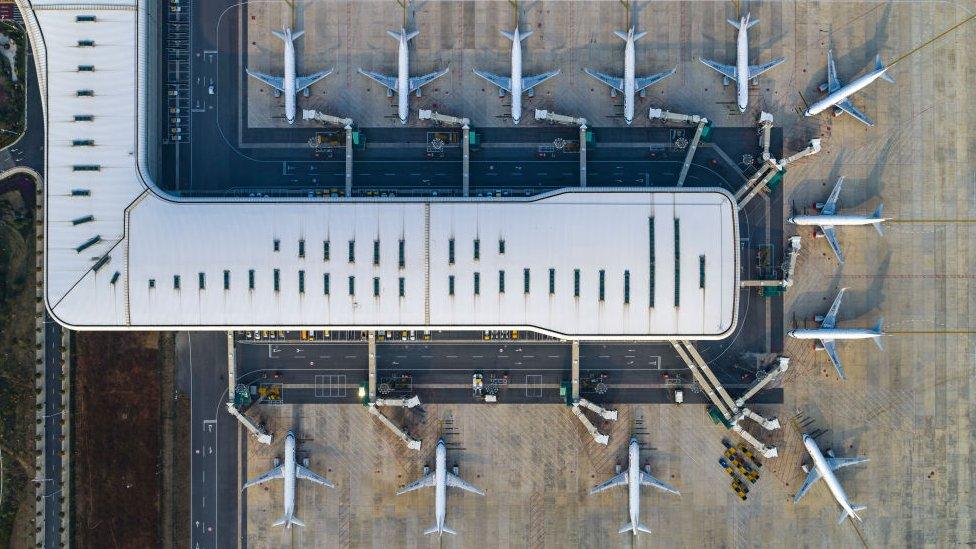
633	483
827	474
289	78
403	77
742	65
835	220
833	333
844	92
289	480
440	484
629	76
516	77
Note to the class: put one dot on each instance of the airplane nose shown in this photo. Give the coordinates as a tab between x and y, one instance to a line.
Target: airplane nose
791	333
807	113
742	108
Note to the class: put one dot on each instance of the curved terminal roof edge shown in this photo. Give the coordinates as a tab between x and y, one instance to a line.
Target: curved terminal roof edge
120	254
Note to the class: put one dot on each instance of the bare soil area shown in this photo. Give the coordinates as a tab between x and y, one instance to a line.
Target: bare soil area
117	433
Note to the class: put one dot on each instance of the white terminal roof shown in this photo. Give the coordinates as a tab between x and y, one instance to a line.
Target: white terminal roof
120	254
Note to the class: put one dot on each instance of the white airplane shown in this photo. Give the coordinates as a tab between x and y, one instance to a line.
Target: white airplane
732	73
629	84
516	84
290	84
823	468
403	84
838	96
828	333
634	478
440	479
828	218
289	472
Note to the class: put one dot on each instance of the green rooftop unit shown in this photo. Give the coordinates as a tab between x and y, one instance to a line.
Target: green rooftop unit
773	291
706	132
717	417
355	138
775	181
473	138
589	136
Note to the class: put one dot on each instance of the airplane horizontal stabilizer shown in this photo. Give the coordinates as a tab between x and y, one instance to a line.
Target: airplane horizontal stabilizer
626	528
642	528
733	22
752	23
879	65
435	530
280	34
877	215
296	35
297	521
843	516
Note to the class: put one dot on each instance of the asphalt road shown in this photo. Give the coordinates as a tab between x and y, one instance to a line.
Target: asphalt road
213	441
52	433
441	372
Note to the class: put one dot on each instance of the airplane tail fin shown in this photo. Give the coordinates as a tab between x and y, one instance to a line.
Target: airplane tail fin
879	65
853	513
511	35
877	339
442	530
877	215
396	35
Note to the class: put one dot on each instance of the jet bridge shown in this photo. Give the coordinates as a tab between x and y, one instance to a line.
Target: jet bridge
702	129
346	123
541	114
426	114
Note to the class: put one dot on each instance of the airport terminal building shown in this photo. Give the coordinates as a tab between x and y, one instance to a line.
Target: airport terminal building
119	253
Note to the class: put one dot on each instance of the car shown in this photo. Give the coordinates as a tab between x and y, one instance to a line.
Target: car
477	384
210	89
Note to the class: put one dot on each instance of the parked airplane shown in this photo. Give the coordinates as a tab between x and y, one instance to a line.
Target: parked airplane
828	333
828	218
629	84
403	84
290	84
634	478
838	96
440	479
824	467
734	73
289	472
516	84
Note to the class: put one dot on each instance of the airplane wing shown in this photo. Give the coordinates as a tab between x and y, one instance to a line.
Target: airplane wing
275	82
302	472
727	71
502	82
833	84
612	81
812	478
303	82
385	81
641	83
830	346
850	109
839	463
830	207
831	235
423	482
756	70
270	475
648	480
618	480
418	82
830	320
532	81
458	482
